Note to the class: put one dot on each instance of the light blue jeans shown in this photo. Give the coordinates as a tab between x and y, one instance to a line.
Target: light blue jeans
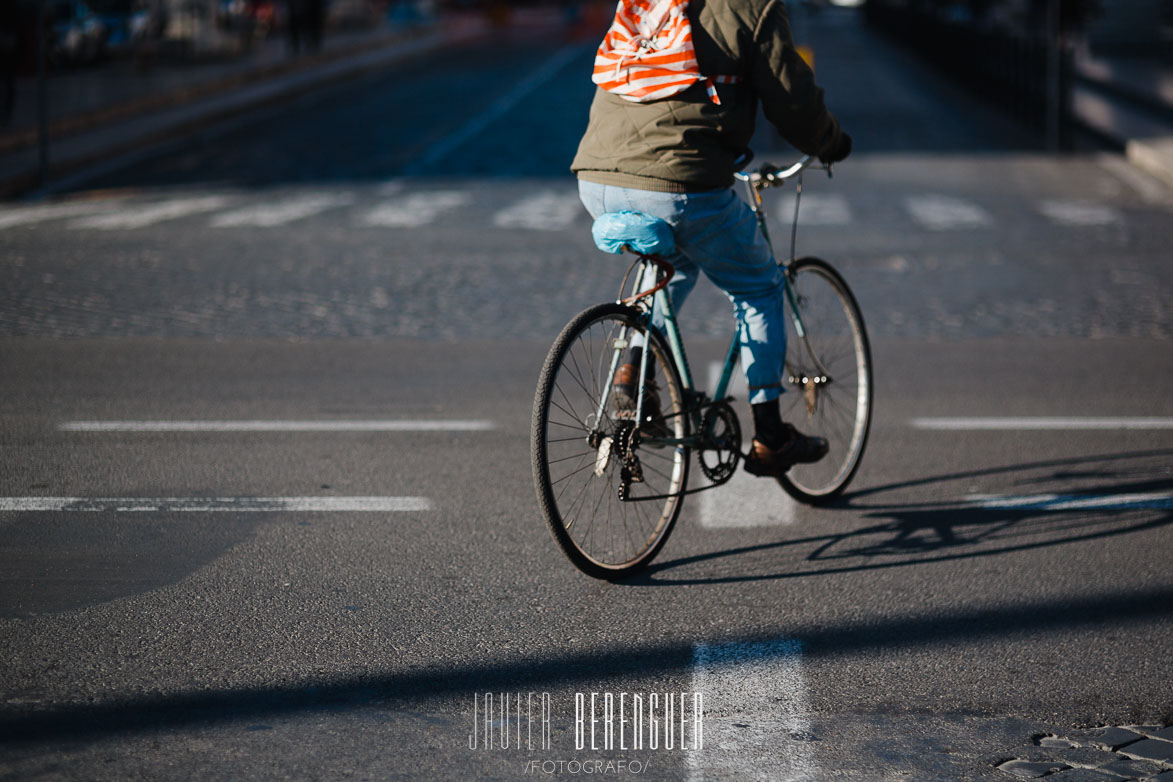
717	233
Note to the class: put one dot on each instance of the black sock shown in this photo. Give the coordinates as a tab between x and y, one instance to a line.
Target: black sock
633	356
767	424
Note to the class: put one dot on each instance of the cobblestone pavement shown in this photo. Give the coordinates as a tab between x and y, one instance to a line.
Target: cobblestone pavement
1107	754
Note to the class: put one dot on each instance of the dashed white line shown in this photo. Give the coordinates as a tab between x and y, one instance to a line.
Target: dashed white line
141	216
946	213
215	504
756	723
544	211
272	215
1027	423
396	425
416	210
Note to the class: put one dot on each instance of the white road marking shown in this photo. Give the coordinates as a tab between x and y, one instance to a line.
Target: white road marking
474	127
412	425
1067	502
547	210
756	723
272	215
216	504
946	213
746	500
961	424
815	209
34	214
143	215
1079	213
416	210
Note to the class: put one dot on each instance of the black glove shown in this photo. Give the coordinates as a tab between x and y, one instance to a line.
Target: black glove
838	151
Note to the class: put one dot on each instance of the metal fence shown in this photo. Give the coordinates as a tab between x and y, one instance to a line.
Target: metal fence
1028	76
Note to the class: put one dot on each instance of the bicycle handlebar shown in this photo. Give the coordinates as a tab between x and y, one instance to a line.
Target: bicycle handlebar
771	176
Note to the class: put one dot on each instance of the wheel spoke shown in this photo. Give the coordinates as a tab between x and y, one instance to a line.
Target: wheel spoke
579	490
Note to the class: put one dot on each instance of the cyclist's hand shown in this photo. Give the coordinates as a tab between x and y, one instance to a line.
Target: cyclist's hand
838	151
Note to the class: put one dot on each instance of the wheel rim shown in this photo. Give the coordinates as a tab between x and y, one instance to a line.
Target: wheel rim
583	452
834	347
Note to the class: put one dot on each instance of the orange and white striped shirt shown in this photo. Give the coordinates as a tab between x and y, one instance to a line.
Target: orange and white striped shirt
648	55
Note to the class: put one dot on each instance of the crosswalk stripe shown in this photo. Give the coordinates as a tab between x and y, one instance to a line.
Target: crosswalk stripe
544	211
826	209
946	213
417	210
215	504
746	501
396	206
10	218
272	215
756	713
141	216
1079	213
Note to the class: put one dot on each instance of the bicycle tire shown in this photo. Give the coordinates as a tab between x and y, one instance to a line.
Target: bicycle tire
577	483
841	411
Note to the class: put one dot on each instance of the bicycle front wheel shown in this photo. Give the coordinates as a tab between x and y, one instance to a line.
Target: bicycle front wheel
828	376
609	491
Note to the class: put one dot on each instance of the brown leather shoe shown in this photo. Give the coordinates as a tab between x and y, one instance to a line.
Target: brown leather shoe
798	449
624	394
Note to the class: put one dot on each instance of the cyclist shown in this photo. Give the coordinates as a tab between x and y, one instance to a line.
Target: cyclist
674	158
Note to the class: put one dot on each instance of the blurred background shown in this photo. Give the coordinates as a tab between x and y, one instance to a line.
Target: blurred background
1061	67
351	221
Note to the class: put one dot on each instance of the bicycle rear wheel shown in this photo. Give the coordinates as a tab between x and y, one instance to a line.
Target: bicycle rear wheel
584	448
828	375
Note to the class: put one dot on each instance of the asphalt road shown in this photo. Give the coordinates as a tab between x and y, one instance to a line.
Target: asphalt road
402	250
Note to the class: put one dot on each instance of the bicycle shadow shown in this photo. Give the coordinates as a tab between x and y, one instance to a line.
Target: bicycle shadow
1042	505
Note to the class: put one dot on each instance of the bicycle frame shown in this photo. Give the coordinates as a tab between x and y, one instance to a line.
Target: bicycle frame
755	183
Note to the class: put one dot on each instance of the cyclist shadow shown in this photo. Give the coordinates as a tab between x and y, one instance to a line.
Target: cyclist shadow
1040	505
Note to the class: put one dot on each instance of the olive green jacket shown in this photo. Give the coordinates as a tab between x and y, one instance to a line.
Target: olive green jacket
687	143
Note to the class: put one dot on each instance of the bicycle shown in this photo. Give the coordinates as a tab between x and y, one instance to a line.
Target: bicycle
611	481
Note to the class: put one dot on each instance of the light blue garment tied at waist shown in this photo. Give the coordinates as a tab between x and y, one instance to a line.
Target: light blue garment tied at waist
641	232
